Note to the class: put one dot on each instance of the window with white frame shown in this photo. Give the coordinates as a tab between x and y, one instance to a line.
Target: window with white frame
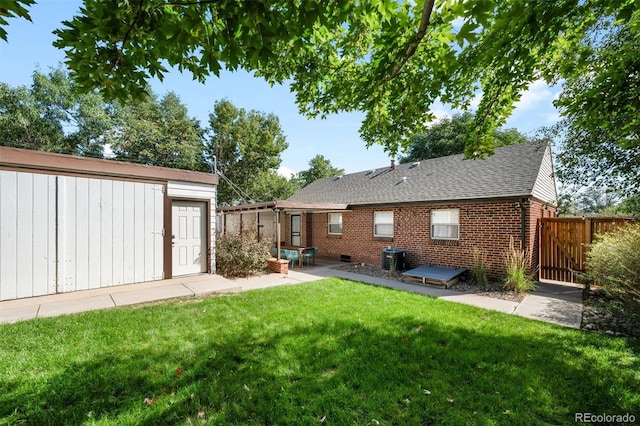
445	224
383	224
335	223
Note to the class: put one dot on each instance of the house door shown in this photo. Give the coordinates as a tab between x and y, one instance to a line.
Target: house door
189	252
295	230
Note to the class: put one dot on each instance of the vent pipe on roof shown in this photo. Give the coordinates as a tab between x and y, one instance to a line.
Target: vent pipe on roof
393	164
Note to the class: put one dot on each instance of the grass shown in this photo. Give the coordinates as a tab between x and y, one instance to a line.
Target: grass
329	352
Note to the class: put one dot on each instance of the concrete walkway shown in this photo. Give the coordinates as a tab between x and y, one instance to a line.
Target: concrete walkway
558	304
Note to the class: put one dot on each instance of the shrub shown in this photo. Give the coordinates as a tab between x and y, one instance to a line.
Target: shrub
613	262
480	267
517	278
241	255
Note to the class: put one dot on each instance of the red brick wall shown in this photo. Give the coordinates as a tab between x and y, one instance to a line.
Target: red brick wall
357	238
487	226
286	225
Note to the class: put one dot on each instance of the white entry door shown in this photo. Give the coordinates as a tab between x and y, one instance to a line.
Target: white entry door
189	237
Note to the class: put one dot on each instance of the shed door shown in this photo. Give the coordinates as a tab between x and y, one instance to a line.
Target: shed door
189	237
27	235
110	232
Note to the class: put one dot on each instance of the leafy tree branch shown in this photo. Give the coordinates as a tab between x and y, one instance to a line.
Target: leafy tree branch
422	31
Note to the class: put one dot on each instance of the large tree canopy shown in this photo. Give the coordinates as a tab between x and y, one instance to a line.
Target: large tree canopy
390	59
245	146
158	133
600	131
269	185
51	115
319	167
448	135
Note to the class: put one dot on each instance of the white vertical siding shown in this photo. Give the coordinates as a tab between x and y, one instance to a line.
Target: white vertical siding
8	234
67	229
93	234
110	232
138	231
106	233
117	230
24	270
69	233
545	186
199	191
44	238
153	208
129	236
81	271
27	239
158	232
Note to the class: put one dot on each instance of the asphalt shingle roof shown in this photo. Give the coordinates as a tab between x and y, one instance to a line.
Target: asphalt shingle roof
512	171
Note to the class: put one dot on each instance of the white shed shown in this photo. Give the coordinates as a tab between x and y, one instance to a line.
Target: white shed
71	223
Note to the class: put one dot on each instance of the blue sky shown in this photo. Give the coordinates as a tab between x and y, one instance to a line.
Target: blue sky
29	48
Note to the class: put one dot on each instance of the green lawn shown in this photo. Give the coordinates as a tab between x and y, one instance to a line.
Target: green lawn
331	352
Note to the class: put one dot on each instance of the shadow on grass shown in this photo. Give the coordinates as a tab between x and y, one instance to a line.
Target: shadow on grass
343	372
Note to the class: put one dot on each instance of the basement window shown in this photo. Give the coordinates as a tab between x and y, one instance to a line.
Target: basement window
445	224
335	224
383	224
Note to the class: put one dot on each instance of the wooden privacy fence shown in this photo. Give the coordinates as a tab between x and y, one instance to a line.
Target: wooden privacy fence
564	243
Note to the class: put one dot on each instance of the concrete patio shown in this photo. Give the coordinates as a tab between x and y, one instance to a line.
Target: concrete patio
553	303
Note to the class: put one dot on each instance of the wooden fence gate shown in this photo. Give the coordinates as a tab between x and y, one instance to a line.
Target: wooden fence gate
564	244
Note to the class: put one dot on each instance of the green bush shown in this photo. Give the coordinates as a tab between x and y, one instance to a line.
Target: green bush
613	262
517	278
480	269
241	255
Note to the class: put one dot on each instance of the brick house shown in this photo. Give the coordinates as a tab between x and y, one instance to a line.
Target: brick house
438	210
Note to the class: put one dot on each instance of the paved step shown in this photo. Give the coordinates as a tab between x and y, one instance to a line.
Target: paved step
557	304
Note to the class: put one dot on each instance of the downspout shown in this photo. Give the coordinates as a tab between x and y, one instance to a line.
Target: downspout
523	223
